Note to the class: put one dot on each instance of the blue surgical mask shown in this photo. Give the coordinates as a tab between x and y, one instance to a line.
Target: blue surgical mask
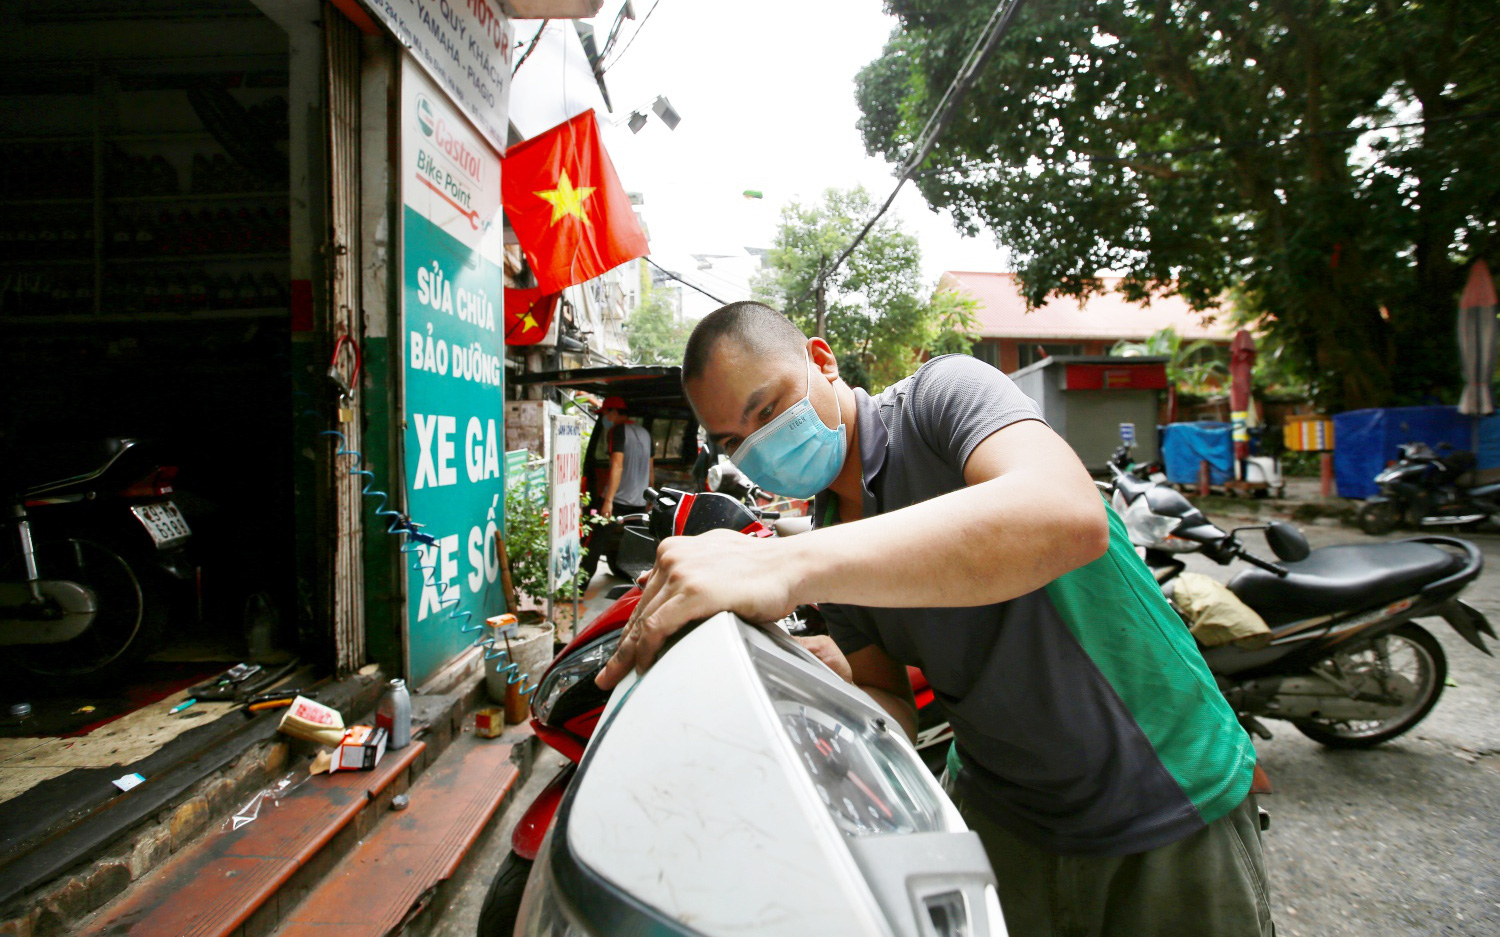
796	454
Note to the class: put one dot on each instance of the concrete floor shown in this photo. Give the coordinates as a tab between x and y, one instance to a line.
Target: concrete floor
1404	838
27	762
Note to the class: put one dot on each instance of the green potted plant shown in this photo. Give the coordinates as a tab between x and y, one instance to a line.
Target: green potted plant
526	546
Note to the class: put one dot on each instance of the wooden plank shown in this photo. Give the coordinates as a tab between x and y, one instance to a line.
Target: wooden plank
213	886
387	876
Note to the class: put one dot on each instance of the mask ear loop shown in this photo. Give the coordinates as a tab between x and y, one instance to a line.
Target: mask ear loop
808	393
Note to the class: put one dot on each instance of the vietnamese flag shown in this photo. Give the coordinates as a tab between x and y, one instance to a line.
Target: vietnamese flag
566	205
528	315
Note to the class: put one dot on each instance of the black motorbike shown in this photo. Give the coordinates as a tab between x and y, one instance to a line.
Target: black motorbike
1345	663
1123	459
95	542
1425	489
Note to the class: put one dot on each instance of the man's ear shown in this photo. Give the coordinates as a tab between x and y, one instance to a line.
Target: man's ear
823	358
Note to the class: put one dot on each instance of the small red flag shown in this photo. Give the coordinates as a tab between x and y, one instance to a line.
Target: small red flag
528	315
566	205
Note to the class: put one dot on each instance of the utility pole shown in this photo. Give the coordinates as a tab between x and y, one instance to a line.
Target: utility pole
822	313
820	317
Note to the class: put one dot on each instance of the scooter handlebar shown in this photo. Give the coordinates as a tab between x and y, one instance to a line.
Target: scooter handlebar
1266	565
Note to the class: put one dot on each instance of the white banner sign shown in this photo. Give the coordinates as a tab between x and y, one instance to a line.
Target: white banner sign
450	175
567	476
465	45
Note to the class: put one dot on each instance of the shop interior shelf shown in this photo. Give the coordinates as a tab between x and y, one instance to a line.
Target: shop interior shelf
44	261
198	196
46	201
134	136
125	318
182	259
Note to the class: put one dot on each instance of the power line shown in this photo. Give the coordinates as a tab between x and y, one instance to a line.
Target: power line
637	32
684	281
531	48
973	63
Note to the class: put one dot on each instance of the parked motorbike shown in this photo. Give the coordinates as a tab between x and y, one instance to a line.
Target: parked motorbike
782	800
1347	665
1424	489
1123	459
95	539
567	706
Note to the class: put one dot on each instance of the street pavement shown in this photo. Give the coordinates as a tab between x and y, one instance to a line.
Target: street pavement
1403	838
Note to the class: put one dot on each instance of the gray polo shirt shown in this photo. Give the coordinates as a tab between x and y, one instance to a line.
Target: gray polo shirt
633	440
1085	719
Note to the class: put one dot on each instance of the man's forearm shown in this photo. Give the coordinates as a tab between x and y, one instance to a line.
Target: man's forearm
611	489
979	545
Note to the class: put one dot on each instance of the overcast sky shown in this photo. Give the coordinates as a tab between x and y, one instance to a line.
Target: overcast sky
766	94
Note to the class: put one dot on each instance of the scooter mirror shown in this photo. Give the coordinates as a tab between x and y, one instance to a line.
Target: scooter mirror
1287	542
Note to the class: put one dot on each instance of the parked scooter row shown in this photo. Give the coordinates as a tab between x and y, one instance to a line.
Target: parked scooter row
1347	665
1425	489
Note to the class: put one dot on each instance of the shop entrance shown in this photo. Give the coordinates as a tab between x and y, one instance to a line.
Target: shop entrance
145	295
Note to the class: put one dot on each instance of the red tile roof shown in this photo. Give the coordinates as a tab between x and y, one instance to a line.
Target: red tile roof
1002	312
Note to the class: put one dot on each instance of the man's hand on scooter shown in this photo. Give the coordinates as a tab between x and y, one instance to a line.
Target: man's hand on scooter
695	577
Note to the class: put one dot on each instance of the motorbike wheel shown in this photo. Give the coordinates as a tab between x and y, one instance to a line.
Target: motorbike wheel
502	903
129	617
1379	517
1413	654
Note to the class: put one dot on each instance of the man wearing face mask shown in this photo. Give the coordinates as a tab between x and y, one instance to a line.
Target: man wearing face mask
1106	775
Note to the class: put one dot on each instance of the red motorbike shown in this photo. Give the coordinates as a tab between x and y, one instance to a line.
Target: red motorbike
566	705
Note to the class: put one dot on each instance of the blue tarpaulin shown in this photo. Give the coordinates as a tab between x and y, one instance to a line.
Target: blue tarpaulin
1185	445
1365	440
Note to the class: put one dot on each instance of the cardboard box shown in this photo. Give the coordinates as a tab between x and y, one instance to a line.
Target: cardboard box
360	750
313	722
489	722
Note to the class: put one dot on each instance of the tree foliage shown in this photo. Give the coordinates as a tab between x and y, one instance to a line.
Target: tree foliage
880	320
1196	366
1199	147
656	333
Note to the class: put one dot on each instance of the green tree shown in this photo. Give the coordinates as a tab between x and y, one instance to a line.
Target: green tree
1200	147
880	320
656	333
1192	365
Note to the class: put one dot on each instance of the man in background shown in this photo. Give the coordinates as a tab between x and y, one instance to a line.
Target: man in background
631	470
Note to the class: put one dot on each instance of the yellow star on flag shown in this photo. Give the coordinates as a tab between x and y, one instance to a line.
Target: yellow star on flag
566	200
528	321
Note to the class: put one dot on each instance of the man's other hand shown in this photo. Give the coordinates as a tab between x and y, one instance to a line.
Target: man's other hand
824	649
695	577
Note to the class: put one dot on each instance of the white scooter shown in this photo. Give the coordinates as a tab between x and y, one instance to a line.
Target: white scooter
740	787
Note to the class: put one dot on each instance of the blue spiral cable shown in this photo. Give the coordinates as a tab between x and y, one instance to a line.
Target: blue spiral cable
412	541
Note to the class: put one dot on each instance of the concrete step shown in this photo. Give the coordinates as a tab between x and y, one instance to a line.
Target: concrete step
393	874
235	881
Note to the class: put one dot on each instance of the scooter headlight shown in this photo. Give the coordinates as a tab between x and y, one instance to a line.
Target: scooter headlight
1146	528
867	781
583	664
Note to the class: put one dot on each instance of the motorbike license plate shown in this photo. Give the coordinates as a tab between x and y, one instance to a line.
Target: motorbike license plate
163	521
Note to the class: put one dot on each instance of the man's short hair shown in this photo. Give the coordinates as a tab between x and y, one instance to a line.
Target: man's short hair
757	325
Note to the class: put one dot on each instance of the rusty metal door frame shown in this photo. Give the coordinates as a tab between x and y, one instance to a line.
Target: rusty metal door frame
343	330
